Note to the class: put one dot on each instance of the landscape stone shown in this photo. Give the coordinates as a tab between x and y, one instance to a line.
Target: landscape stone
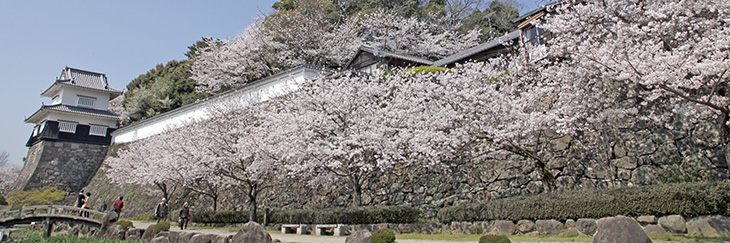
673	223
252	232
181	237
586	226
221	239
569	224
135	232
360	236
506	227
620	229
710	226
549	227
654	230
207	238
525	226
148	233
646	219
160	239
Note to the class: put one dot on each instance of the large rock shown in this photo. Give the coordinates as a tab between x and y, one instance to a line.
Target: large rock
221	239
506	227
149	233
360	236
525	226
160	239
207	238
620	229
252	232
646	219
549	227
569	223
180	236
713	226
112	232
654	230
135	232
586	226
673	223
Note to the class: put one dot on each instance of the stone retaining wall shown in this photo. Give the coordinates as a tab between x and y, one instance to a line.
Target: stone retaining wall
66	165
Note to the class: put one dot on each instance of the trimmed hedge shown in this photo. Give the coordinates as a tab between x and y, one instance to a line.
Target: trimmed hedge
687	199
225	217
351	215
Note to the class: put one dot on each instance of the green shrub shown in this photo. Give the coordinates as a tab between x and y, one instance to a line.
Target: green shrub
494	239
687	199
43	196
383	236
161	226
124	224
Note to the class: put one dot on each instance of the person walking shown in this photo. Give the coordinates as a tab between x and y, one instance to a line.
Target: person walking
118	205
184	216
161	210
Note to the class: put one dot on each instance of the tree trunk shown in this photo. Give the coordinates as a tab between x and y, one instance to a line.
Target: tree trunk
252	205
547	177
357	190
215	203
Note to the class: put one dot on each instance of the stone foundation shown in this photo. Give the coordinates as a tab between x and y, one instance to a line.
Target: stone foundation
66	165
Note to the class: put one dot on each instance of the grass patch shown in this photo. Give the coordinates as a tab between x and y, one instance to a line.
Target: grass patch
33	236
475	237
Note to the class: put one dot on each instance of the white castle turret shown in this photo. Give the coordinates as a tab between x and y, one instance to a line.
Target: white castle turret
71	135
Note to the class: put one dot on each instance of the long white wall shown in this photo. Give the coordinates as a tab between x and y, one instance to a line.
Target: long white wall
255	92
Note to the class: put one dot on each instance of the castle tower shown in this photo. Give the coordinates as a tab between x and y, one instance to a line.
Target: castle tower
72	134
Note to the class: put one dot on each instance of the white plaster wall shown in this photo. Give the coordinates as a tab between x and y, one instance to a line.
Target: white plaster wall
70	97
254	93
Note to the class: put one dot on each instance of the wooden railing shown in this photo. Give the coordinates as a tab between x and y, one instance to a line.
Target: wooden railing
50	211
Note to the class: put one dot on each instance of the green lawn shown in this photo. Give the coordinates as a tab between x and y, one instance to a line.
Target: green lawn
33	236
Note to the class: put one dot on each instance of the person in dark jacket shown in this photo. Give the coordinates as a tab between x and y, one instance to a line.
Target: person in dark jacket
184	216
161	211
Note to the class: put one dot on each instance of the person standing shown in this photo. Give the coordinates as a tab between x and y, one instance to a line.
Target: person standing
118	205
161	210
80	199
86	205
184	216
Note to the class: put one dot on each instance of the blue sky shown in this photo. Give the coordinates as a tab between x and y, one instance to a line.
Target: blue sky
120	38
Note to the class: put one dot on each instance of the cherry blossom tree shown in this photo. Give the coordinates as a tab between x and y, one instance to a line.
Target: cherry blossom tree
8	174
310	34
673	51
352	127
144	163
241	148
